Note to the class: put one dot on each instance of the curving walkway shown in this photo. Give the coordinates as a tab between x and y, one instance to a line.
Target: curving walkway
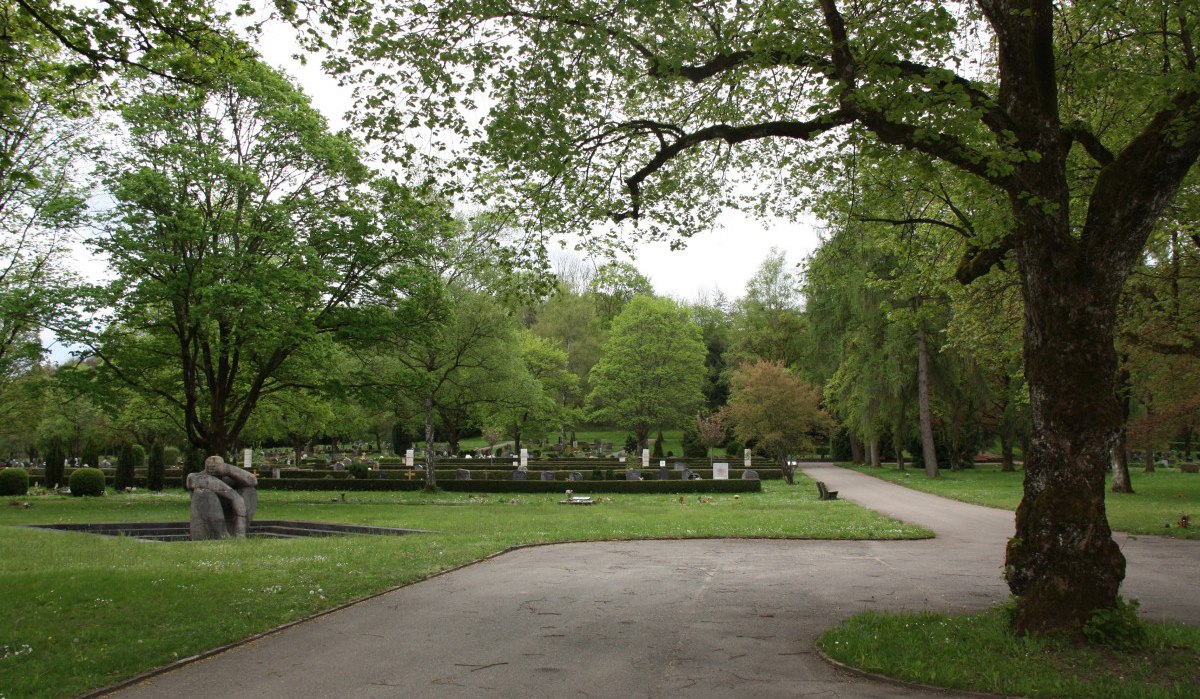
696	619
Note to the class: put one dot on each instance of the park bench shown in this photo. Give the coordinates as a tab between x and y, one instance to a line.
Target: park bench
825	493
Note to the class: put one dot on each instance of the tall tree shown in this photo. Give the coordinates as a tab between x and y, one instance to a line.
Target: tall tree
651	369
243	233
43	146
629	112
769	317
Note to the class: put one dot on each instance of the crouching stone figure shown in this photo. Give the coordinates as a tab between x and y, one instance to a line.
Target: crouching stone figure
224	498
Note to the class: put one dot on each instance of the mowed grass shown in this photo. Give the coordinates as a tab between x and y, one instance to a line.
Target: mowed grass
1155	506
80	611
978	652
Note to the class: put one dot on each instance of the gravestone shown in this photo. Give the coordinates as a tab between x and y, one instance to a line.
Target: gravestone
575	476
632	474
645	458
720	472
462	474
664	474
547	475
518	475
224	499
679	466
749	475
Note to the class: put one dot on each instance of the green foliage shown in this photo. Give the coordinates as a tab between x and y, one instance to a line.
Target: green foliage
1118	628
54	456
651	370
14	481
693	448
401	439
359	469
193	460
156	465
311	244
170	456
87	482
127	462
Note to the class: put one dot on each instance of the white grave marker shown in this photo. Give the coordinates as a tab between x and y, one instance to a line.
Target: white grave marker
747	458
408	459
645	458
524	457
720	472
247	457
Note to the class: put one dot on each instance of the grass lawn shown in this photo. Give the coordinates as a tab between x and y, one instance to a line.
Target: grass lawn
80	611
977	652
1159	498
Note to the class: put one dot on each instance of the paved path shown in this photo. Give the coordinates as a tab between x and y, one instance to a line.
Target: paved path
696	619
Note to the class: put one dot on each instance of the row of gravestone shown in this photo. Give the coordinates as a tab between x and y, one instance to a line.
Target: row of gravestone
631	474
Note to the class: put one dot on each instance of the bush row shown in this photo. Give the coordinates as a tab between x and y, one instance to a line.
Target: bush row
580	487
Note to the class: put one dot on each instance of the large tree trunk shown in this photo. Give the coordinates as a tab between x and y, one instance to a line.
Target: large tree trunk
1120	452
926	413
430	474
1063	563
873	452
1120	465
856	449
1007	462
1148	458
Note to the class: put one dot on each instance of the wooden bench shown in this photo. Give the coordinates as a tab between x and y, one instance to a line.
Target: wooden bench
825	493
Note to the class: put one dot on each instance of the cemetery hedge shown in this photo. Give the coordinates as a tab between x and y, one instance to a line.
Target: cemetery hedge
14	481
510	486
87	481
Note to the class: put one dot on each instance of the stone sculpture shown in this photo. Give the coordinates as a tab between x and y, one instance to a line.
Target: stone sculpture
224	498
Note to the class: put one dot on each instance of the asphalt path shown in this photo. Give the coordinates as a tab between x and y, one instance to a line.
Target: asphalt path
697	618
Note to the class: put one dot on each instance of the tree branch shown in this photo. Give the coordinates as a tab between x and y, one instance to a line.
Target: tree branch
1081	134
979	260
732	135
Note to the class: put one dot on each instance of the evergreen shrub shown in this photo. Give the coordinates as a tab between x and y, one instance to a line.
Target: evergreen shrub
126	463
156	467
87	482
55	471
14	481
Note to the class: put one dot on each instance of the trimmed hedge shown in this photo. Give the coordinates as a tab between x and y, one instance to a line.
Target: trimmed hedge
14	481
580	487
87	482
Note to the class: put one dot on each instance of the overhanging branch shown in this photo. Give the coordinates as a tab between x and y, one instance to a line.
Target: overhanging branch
801	130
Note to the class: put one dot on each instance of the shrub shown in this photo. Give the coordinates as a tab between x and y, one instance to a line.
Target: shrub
170	457
1118	628
693	448
139	455
90	454
156	466
14	481
87	482
193	461
54	464
358	469
126	464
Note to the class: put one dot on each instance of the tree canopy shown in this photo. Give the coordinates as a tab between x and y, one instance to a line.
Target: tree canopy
605	111
651	369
